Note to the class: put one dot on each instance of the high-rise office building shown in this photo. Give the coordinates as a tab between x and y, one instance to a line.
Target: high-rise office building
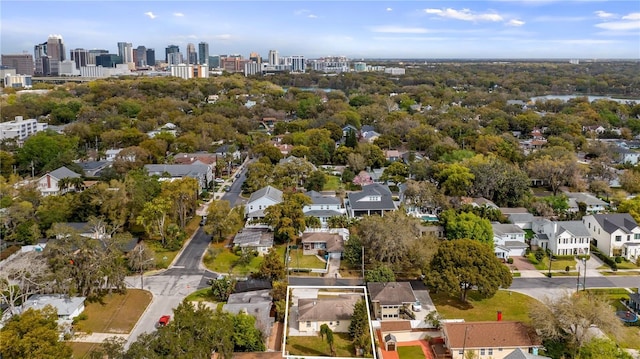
192	55
255	57
108	60
80	57
297	63
140	56
203	53
274	58
41	59
175	58
23	63
125	51
55	53
151	57
171	49
93	54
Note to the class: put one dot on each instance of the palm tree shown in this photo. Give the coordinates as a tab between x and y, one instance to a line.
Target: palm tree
326	331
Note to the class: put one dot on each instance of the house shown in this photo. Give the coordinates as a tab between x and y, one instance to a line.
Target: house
93	168
256	303
521	354
519	216
315	242
228	150
411	156
86	229
634	302
260	200
257	239
370	136
593	204
392	155
198	158
323	207
478	202
627	156
336	312
615	234
489	339
111	154
168	127
390	300
373	199
562	237
202	173
67	307
49	184
349	128
508	240
597	129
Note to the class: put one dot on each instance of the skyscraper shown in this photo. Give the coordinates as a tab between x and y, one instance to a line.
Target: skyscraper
171	49
93	54
203	53
55	53
192	55
297	63
125	51
151	57
140	56
274	58
23	63
80	57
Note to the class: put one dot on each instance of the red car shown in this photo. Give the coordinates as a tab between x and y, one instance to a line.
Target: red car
164	320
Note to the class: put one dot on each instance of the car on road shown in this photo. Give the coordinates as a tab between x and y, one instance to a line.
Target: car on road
219	180
237	175
203	221
164	320
417	306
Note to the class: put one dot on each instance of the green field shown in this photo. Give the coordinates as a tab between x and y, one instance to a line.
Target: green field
514	306
410	352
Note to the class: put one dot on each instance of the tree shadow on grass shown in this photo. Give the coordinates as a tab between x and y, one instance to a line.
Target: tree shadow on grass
302	350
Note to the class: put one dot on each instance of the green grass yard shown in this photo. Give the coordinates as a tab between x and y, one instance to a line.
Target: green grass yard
557	264
117	313
514	306
332	183
630	336
221	259
81	350
315	346
410	352
299	260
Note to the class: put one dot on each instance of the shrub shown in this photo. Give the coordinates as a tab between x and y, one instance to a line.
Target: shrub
510	260
618	259
539	254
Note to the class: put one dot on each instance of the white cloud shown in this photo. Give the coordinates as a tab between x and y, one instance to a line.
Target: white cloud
150	15
632	16
399	29
604	15
389	9
515	22
628	22
312	16
465	15
178	14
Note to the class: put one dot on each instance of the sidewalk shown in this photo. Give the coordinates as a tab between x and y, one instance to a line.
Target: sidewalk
96	337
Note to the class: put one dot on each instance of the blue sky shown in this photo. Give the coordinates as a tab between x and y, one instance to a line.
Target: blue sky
381	29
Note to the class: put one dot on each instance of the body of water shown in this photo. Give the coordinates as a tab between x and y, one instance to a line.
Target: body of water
566	98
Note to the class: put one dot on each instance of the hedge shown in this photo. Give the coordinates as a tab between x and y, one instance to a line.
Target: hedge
606	259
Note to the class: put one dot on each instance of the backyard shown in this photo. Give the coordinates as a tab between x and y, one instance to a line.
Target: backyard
630	336
514	306
315	346
332	183
410	352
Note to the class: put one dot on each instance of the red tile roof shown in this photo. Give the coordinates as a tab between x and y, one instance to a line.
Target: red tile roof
505	334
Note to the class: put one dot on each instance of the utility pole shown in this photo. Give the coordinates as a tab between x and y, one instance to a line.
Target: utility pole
584	277
362	262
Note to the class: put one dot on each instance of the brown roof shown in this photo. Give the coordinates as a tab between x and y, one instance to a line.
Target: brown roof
395	326
333	240
189	158
393	293
490	335
258	355
324	309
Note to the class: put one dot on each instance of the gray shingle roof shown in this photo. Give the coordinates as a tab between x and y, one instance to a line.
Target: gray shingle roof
375	189
520	354
322	213
177	170
65	305
612	221
249	237
63	172
272	193
393	293
326	309
318	198
577	228
502	229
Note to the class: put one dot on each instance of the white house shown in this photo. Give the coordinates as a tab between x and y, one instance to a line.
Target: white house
335	312
593	203
260	200
201	172
562	238
49	183
627	156
615	234
508	240
258	239
323	207
67	307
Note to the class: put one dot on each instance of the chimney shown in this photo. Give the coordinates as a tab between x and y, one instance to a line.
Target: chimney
499	316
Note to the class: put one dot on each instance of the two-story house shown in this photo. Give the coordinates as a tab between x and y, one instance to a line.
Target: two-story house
260	200
508	240
323	207
562	237
592	203
615	234
202	173
390	300
374	198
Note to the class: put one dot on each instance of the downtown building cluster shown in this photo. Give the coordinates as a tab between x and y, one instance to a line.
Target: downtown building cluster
50	59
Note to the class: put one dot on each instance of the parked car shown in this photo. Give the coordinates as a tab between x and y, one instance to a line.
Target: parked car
219	180
164	320
203	221
417	306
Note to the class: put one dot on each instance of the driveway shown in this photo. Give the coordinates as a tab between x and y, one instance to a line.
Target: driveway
522	263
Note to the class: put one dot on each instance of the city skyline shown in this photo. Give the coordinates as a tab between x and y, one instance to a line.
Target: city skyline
357	29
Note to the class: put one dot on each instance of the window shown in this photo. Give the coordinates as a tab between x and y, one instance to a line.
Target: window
618	238
460	352
337	322
308	324
490	351
330	323
482	351
636	236
628	237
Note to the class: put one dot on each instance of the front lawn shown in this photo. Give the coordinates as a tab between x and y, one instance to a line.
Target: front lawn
556	264
332	183
315	346
514	306
116	313
163	256
612	273
81	350
299	260
410	352
625	264
201	295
